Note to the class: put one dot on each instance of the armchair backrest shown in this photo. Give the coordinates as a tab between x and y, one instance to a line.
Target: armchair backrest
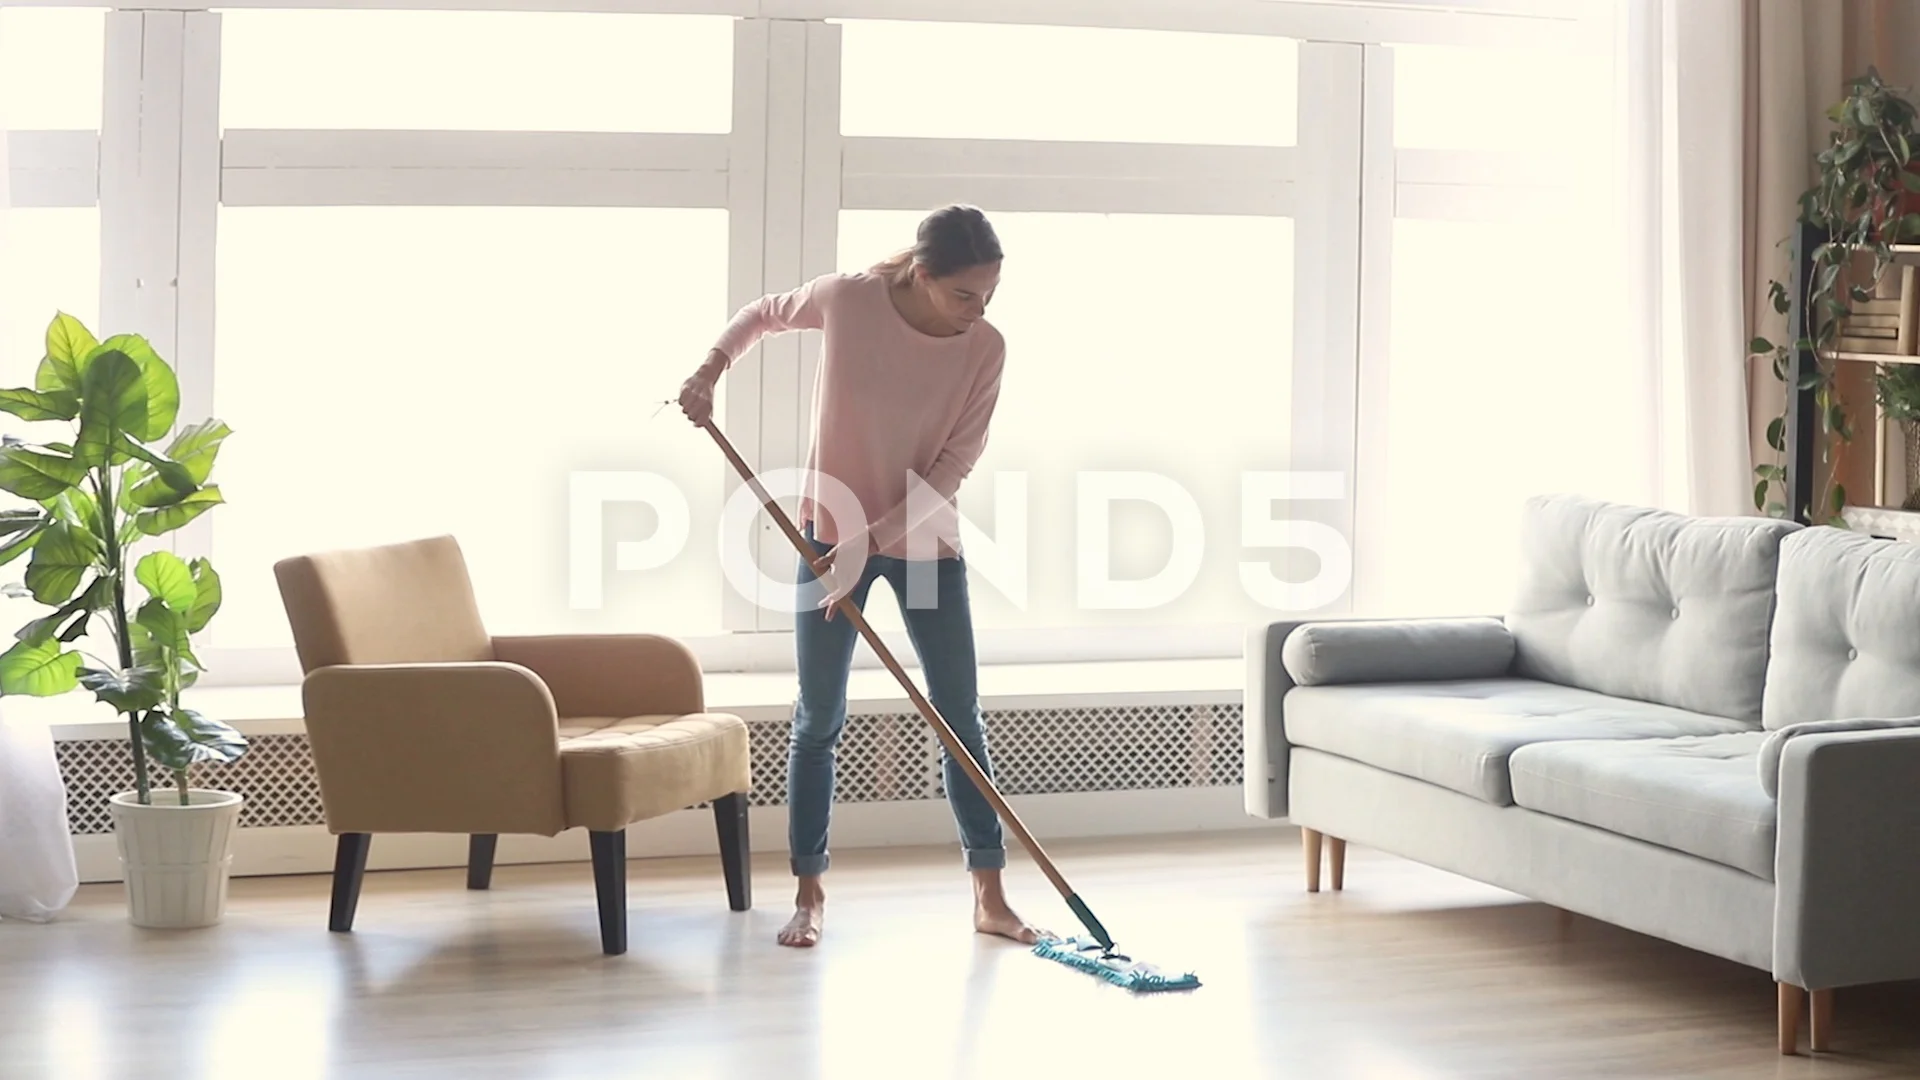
404	603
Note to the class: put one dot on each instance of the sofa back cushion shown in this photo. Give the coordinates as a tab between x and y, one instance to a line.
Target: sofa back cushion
1647	604
1846	637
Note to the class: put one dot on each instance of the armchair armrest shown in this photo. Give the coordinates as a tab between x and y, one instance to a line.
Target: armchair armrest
614	675
443	747
1847	869
1397	650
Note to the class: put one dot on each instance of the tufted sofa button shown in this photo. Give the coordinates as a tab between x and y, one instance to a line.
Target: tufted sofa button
1589	599
1853	654
1674	614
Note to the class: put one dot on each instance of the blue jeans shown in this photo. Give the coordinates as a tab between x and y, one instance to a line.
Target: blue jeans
942	636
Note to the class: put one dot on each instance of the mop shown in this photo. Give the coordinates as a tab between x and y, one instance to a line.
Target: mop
1093	953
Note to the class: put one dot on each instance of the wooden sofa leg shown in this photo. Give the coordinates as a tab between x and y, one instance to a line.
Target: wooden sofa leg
349	869
1793	1002
730	819
610	886
1820	1034
1310	842
480	848
1337	861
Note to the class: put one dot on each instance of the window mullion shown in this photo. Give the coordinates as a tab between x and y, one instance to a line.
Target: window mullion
1327	276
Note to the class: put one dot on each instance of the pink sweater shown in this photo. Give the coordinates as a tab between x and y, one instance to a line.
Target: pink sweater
889	402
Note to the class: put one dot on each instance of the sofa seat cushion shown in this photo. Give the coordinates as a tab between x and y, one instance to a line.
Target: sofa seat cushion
618	771
1698	794
1458	734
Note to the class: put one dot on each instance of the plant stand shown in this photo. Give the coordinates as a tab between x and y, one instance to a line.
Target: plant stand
176	859
1883	330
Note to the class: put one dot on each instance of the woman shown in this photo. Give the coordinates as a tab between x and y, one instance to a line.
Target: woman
907	384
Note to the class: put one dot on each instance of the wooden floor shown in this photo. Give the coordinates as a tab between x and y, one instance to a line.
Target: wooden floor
1408	974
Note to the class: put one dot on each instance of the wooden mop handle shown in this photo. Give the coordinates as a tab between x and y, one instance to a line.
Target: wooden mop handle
940	726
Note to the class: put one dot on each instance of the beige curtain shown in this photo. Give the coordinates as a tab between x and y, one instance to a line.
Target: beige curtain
1799	56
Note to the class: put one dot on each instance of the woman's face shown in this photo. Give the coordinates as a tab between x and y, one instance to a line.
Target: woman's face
961	298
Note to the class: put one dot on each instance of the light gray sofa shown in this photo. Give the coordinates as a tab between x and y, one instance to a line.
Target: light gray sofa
1701	729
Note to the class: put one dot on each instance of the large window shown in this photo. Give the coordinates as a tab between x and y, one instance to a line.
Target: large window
51	61
982	81
50	81
1136	344
1504	375
398	372
50	262
476	71
439	269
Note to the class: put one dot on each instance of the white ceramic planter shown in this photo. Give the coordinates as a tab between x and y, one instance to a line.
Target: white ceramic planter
176	858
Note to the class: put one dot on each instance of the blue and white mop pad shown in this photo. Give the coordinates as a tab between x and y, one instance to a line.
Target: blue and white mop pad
1090	956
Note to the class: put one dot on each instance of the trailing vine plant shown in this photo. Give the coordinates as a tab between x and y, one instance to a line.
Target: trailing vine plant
1864	183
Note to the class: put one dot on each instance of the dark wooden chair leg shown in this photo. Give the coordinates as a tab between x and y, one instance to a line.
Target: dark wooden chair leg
610	883
730	816
349	869
480	848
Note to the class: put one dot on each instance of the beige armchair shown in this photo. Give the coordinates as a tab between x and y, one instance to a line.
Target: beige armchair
421	722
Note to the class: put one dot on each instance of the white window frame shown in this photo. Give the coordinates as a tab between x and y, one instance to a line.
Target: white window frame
783	173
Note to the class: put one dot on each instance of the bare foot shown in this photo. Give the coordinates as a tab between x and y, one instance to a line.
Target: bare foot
809	909
1006	923
803	930
993	915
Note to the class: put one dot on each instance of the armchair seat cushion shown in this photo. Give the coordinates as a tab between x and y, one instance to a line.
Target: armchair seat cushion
619	770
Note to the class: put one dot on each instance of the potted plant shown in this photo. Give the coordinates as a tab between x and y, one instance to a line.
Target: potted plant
1898	388
94	497
1866	198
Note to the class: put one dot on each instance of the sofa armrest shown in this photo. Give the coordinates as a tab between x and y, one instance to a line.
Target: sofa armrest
1768	759
611	675
1263	721
1397	650
439	748
1263	731
1847	868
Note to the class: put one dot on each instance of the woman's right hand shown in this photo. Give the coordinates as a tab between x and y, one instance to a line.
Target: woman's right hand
696	394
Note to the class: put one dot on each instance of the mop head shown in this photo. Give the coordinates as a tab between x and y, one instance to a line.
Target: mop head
1088	955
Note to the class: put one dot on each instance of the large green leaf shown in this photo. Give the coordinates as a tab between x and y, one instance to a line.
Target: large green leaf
145	652
19	545
167	625
40	405
60	561
77	507
127	691
207	596
165	519
36	474
38	669
56	376
170	480
19	521
68	343
197	447
113	401
94	598
168	579
162	386
183	738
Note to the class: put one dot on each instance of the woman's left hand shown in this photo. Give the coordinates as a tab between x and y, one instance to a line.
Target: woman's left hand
838	579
